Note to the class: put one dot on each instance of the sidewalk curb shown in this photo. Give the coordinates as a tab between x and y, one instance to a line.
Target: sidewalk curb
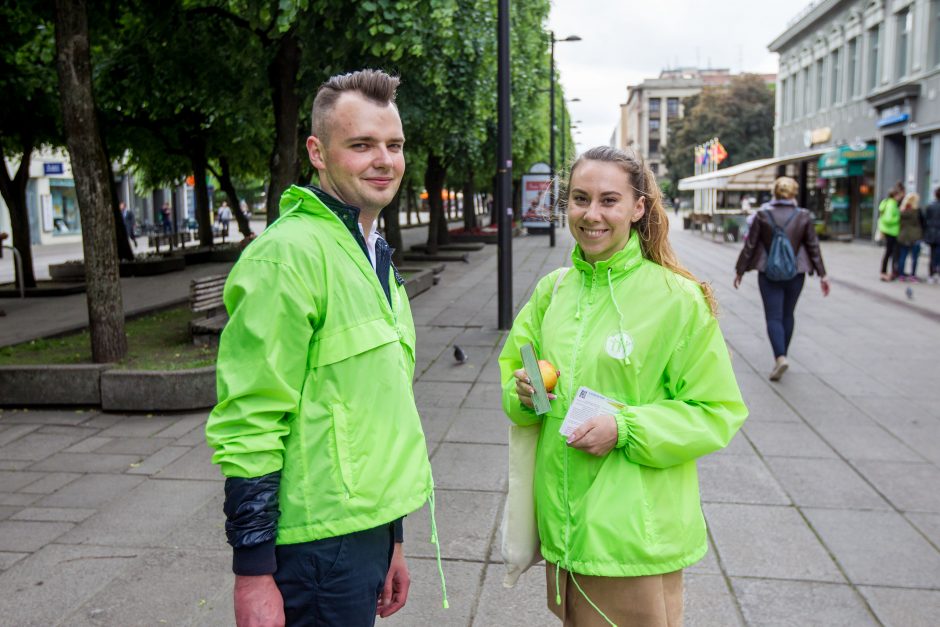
110	388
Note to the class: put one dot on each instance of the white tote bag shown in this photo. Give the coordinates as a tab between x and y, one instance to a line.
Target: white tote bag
520	532
519	528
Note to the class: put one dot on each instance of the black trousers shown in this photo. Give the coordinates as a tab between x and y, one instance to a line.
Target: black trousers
779	303
891	252
334	582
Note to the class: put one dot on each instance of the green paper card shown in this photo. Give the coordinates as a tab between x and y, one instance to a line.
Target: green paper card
531	364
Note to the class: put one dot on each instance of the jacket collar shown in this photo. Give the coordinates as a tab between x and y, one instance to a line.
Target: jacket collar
620	263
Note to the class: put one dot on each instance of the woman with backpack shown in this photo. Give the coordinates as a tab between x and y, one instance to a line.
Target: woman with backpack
782	246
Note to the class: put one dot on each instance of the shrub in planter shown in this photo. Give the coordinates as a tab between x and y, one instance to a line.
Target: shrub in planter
69	271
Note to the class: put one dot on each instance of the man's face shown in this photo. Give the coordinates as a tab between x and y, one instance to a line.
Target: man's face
360	160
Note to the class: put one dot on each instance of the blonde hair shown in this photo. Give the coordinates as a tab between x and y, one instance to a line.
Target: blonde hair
653	227
785	188
911	200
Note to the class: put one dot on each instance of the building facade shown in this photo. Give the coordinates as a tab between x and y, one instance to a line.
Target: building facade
861	78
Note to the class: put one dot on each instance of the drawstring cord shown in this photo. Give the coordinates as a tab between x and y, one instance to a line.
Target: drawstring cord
437	547
577	314
610	287
590	602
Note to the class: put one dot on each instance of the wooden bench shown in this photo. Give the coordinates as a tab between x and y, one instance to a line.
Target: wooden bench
170	240
205	300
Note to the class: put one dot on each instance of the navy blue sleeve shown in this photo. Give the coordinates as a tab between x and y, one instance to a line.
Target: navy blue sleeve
251	511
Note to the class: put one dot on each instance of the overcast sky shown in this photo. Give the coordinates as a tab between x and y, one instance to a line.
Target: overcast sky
625	41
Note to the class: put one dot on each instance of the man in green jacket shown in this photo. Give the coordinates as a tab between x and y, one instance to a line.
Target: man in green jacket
316	429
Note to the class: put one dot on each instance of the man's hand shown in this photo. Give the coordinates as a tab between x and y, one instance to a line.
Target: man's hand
395	593
824	285
737	281
258	602
524	389
597	436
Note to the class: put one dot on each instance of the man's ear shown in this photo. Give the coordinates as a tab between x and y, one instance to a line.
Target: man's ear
315	152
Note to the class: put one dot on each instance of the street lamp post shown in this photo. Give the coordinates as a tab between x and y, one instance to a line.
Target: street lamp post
551	132
504	168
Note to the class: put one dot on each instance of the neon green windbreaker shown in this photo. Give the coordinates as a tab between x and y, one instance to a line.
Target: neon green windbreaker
641	334
315	379
889	217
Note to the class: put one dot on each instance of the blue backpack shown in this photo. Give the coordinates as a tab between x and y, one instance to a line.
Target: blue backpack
781	260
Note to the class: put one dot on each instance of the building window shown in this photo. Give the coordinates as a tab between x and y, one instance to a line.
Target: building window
783	90
654	147
874	62
790	95
935	32
65	217
853	68
672	105
835	75
820	84
807	92
905	20
654	106
654	125
654	167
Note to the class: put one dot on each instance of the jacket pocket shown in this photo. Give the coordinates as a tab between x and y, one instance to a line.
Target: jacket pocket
341	443
354	340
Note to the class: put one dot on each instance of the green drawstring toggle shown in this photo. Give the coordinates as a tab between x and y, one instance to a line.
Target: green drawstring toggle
437	547
557	592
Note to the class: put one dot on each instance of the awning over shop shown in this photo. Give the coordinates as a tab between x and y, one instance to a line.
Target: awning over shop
751	176
846	161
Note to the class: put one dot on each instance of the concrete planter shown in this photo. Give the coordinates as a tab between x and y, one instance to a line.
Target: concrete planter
146	390
152	267
51	385
68	271
419	281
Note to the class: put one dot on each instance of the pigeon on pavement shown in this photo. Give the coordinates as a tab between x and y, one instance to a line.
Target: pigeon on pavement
459	355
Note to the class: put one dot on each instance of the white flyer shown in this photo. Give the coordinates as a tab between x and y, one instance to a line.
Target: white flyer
586	404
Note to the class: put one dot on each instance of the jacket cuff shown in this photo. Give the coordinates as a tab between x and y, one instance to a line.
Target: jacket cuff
255	560
398	530
623	430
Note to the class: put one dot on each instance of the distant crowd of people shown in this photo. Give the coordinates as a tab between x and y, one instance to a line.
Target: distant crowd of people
905	227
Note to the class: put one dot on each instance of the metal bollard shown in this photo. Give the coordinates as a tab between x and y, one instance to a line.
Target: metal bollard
19	269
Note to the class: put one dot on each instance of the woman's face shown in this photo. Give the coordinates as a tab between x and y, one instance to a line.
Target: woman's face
602	206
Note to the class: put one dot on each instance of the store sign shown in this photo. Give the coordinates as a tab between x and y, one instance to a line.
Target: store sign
53	168
893	115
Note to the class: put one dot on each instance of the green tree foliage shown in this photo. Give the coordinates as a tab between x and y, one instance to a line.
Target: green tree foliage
741	115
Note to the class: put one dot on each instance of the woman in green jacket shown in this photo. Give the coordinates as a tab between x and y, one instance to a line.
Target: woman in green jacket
617	502
889	224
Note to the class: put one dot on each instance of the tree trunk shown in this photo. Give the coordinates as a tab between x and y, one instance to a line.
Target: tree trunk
225	180
200	168
390	214
282	77
434	182
469	204
90	171
14	194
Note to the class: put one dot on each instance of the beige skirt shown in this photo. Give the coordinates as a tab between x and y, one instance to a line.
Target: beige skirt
651	601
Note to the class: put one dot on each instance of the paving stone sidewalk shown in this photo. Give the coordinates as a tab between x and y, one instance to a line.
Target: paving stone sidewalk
823	511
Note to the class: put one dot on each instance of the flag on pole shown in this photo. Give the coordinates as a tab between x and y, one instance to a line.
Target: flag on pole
720	154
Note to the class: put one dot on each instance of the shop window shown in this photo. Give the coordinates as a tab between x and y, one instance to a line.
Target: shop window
65	217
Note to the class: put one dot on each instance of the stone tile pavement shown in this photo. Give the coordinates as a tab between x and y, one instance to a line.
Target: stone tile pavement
823	511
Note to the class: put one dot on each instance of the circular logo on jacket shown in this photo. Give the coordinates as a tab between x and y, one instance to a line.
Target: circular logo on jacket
619	345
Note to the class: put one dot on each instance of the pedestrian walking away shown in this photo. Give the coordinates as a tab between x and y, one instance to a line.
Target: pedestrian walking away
910	232
129	222
316	428
225	217
782	246
617	498
889	220
932	235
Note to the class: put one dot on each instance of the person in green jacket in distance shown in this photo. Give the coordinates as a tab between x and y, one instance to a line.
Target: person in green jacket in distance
316	428
889	225
617	502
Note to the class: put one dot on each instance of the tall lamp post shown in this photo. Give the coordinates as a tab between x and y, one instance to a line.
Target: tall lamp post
551	131
504	168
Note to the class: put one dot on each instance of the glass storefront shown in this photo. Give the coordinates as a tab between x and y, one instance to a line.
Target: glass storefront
847	175
65	217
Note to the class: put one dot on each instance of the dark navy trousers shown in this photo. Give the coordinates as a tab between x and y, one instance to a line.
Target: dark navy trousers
334	582
779	303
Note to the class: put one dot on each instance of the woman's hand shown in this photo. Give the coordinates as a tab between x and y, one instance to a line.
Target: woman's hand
597	436
737	281
824	285
524	389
